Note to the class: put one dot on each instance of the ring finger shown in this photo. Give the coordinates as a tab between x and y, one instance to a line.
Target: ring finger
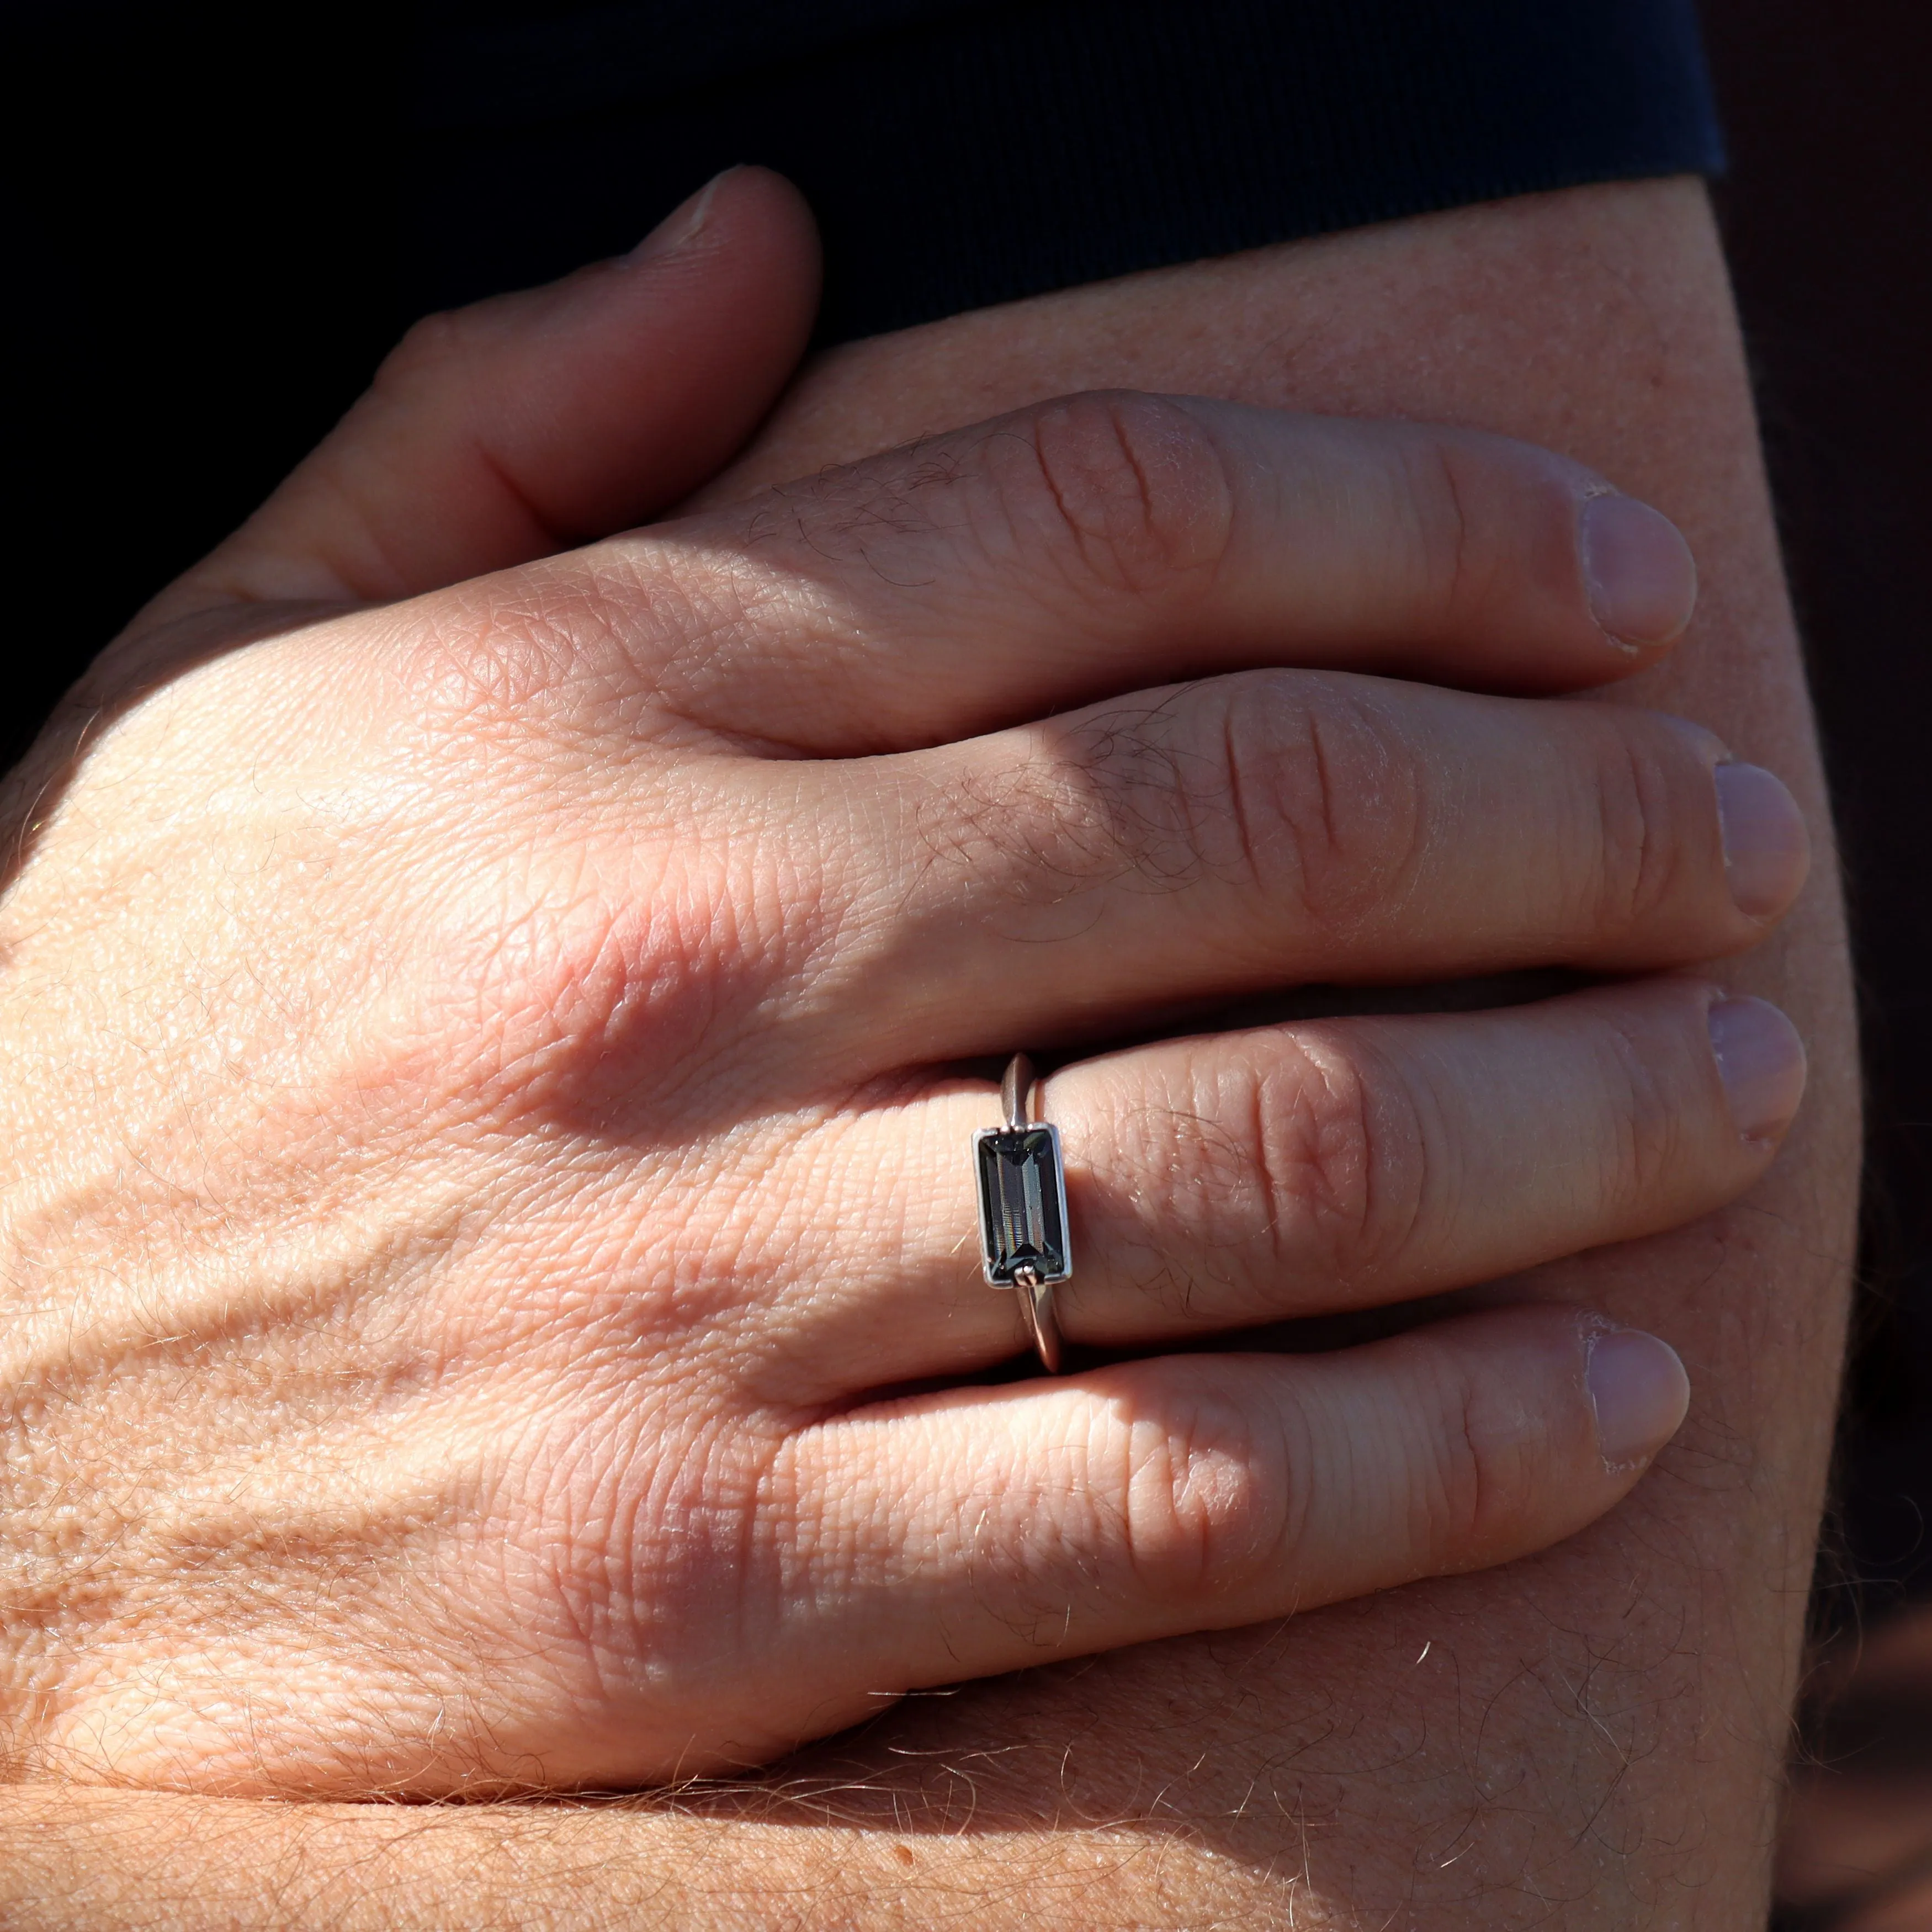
1226	1181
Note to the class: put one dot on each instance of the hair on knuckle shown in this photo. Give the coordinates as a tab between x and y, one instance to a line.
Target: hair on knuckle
847	513
1204	1200
1126	797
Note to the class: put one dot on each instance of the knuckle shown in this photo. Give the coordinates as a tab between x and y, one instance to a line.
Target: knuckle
1644	1156
637	1552
1132	486
1325	801
532	658
1345	1163
1454	566
1480	1478
429	348
481	675
579	999
1636	863
1305	800
1485	522
1204	1491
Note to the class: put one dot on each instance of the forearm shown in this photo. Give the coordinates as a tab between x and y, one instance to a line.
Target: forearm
1604	1725
85	1859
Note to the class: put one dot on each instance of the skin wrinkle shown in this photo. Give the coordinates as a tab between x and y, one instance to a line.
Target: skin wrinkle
1320	824
1173	527
1457	526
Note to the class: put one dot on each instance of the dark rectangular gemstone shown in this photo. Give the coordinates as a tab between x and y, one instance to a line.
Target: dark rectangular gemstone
1022	1202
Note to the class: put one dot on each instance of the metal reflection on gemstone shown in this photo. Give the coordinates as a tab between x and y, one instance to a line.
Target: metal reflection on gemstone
1022	1204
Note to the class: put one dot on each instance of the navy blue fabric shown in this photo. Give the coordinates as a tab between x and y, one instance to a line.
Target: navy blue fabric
959	154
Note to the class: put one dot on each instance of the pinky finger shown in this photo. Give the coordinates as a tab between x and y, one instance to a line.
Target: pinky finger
984	1531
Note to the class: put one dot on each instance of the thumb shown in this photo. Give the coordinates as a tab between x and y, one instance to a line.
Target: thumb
534	421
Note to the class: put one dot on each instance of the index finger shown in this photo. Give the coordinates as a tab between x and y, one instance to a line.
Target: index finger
1098	543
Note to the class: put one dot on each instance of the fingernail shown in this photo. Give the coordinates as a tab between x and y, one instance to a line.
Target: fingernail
1642	579
1640	1392
681	227
1767	850
1761	1061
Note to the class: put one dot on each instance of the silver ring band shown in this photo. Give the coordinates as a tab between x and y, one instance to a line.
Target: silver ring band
1036	1311
1022	1188
1016	1086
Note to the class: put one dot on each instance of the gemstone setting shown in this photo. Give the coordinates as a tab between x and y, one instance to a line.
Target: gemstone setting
1022	1204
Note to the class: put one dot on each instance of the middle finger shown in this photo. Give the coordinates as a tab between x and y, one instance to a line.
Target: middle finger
1271	828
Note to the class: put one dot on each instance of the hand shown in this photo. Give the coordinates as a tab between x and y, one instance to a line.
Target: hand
479	1174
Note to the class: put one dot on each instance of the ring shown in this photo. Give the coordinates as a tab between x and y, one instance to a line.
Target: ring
1023	1209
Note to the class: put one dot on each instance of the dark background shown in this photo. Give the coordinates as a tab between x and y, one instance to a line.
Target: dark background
1828	215
211	272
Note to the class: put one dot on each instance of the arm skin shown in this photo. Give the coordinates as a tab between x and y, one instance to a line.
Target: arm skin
1591	1738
